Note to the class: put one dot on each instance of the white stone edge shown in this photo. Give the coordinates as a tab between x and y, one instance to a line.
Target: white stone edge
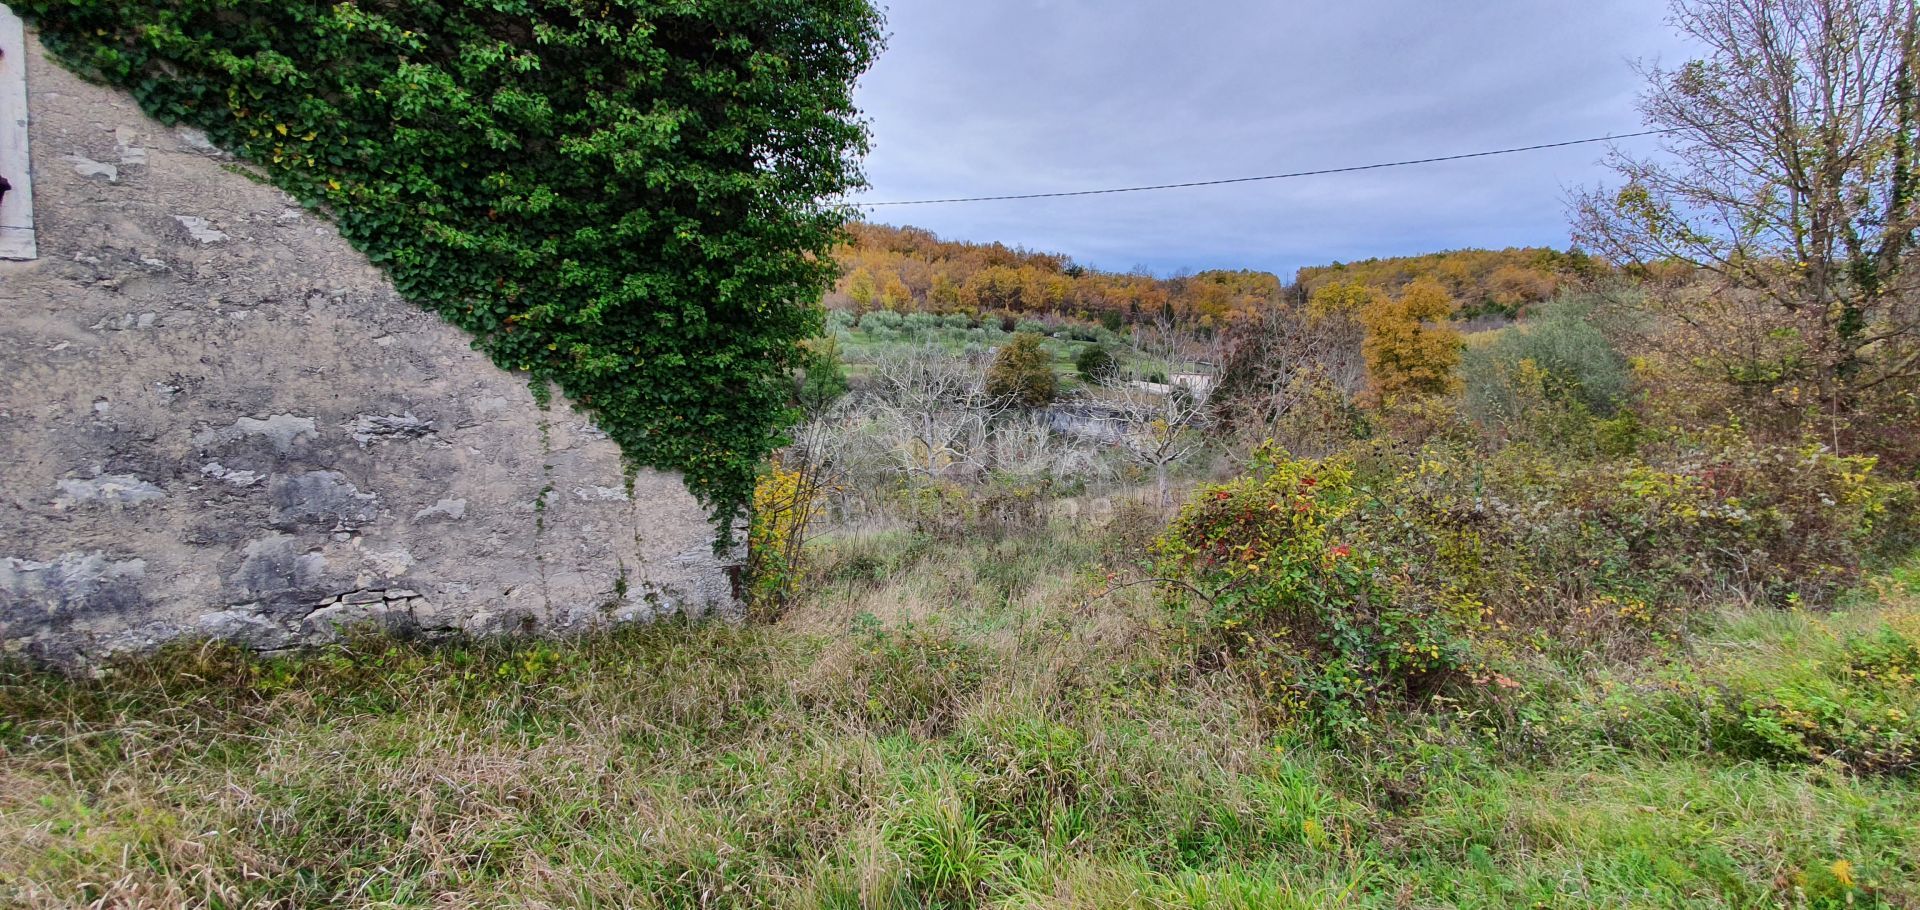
17	240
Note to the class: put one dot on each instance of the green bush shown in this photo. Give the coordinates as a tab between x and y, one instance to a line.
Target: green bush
1543	377
1387	576
1022	372
1096	364
1278	581
630	201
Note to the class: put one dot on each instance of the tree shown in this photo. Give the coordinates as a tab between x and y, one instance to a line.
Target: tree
1158	429
1408	347
1096	364
823	377
1345	297
1022	372
933	412
1788	190
862	290
894	294
1291	376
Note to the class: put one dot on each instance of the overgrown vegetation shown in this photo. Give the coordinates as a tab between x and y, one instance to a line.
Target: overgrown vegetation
629	198
984	723
1500	619
1352	588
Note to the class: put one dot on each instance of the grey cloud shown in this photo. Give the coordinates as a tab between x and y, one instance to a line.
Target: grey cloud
995	96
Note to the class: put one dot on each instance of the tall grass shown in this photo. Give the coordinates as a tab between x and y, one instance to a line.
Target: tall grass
992	723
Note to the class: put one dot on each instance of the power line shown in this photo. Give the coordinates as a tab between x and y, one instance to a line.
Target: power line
1289	176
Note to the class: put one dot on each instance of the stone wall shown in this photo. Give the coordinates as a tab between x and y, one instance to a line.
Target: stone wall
218	419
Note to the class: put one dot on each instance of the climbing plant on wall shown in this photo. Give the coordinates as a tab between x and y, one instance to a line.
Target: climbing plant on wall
629	198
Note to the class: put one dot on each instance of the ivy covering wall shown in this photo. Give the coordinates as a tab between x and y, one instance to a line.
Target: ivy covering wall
630	198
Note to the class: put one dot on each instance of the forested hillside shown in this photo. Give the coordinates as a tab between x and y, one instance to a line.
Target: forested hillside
1481	281
910	270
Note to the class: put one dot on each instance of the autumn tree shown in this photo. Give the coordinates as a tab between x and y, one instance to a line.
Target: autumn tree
1022	372
1787	187
1347	298
1409	348
894	294
861	289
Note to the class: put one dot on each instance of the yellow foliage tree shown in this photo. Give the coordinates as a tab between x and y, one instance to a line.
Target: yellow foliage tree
894	294
861	288
1344	297
1409	348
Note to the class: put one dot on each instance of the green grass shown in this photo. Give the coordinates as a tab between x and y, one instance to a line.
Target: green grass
860	347
986	724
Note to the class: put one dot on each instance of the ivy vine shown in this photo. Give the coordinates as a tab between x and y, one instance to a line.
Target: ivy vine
630	198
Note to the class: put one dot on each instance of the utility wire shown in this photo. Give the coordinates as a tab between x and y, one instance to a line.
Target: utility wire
1324	171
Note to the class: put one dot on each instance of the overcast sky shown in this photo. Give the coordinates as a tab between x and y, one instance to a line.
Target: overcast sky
984	97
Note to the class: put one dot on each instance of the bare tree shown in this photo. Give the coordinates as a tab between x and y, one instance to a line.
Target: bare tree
1156	429
1789	185
934	410
1026	447
1279	371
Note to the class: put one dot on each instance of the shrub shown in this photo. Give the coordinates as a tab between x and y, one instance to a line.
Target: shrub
1344	584
1096	364
1534	376
1277	581
785	503
1023	372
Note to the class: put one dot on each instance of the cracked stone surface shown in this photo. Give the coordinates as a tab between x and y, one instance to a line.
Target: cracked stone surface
219	420
113	489
200	229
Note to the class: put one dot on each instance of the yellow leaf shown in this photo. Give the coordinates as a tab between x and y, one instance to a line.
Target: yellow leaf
1842	872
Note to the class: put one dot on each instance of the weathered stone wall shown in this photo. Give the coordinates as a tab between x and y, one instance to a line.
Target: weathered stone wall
216	418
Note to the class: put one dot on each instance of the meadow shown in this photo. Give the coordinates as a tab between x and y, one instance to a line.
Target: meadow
999	723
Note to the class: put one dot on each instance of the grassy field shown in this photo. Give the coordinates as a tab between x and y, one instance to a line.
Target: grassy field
954	725
878	335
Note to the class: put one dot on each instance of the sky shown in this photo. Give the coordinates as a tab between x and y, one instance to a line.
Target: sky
993	97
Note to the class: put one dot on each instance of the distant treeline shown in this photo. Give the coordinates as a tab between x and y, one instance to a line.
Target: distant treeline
910	270
1481	282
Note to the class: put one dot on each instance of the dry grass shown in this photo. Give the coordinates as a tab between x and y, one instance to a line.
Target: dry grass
991	724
